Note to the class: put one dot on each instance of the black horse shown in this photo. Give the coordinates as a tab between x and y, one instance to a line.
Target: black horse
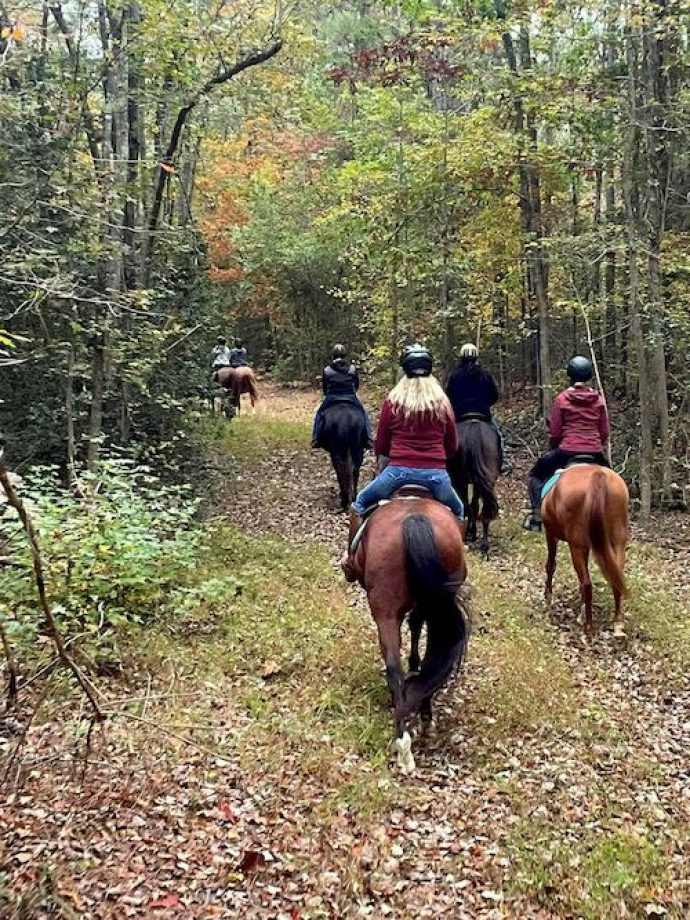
344	436
477	463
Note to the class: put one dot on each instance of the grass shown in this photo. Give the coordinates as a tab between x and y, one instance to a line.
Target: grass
591	873
654	611
248	441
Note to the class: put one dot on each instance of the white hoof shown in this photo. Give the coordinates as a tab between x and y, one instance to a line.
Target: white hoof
619	631
403	746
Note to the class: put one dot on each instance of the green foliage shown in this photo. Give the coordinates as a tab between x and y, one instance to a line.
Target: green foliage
110	559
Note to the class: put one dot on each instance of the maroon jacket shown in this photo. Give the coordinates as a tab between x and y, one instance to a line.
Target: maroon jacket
579	420
420	441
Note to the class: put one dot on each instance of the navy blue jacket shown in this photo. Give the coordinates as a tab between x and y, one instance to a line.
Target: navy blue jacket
340	378
471	389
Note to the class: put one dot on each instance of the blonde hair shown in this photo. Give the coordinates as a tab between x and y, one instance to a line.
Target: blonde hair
420	396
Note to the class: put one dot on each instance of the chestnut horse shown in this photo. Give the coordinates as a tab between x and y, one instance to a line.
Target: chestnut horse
238	380
411	560
588	509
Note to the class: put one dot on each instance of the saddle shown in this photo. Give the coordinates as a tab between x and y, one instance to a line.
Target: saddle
577	460
472	417
404	493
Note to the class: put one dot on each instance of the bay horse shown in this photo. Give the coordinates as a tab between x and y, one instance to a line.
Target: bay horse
588	509
237	381
410	560
477	463
344	436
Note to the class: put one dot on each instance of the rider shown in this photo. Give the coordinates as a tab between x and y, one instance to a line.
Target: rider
472	391
340	382
220	356
417	434
579	425
238	355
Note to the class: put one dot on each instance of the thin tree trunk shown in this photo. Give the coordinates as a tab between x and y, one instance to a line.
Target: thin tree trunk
631	204
95	430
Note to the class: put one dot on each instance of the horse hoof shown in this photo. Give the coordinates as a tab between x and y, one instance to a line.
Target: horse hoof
619	632
405	759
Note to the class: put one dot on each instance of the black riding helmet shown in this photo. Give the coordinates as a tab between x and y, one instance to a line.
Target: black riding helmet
339	351
416	361
579	369
221	340
238	343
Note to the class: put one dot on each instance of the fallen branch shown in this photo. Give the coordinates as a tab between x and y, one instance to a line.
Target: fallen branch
11	670
15	502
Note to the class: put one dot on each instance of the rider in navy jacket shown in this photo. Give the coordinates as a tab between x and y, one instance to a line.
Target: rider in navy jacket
340	382
472	391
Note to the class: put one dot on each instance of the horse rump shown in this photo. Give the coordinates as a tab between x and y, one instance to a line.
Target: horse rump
435	597
600	522
344	436
475	454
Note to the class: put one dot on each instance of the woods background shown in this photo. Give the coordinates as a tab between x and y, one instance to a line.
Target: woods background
511	173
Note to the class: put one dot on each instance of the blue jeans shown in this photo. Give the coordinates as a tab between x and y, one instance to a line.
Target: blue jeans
393	477
331	401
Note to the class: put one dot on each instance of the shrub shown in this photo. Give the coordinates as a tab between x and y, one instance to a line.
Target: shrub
110	559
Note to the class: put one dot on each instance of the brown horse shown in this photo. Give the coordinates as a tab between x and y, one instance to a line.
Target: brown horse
411	560
588	508
238	380
477	463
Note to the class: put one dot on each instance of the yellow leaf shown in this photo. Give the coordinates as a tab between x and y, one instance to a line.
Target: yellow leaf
168	167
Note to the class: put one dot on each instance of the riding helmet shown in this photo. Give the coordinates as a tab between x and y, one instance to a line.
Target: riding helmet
469	352
416	361
339	351
579	369
221	340
238	343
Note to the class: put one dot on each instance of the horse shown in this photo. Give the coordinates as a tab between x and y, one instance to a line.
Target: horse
410	560
477	463
588	509
344	436
238	380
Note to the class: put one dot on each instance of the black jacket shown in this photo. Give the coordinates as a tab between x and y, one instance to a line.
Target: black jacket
340	378
471	388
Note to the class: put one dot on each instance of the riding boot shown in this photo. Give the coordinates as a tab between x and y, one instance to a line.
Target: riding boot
533	520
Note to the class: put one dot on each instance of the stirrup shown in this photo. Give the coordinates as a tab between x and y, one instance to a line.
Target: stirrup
532	523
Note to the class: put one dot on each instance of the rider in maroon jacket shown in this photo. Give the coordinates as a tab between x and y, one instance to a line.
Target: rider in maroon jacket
579	425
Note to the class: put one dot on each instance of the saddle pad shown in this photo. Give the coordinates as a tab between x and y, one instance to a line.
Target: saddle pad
550	483
581	460
368	514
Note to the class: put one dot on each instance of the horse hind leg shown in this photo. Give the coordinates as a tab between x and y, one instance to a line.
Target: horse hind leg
552	550
389	642
580	557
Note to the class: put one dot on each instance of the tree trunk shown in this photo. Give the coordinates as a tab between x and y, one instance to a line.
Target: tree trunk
631	205
96	412
658	173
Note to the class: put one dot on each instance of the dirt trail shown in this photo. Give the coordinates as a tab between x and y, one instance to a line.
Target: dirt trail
555	785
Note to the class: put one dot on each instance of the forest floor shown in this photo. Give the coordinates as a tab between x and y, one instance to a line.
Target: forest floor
246	769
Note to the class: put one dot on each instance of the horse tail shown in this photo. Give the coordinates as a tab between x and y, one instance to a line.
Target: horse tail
435	598
478	471
602	546
253	389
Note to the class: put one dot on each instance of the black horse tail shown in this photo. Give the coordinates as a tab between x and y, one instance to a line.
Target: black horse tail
478	470
435	599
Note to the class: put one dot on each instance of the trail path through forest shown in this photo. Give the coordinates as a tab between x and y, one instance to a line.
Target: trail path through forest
556	782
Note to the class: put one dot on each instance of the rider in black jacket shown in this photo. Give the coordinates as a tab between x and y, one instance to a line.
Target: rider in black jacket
340	382
472	391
